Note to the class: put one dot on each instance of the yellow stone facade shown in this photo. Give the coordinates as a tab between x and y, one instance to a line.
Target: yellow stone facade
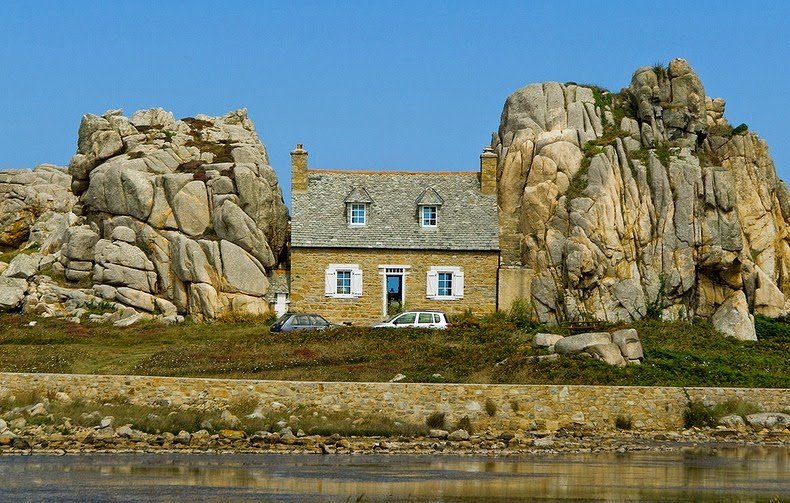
308	266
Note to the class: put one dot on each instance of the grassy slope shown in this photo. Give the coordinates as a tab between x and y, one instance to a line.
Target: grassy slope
676	354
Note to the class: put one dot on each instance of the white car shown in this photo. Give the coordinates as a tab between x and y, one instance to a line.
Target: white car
416	319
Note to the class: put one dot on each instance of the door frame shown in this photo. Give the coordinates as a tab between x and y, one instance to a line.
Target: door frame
392	270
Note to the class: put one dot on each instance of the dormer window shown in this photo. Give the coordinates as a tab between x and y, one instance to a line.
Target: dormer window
357	206
357	214
428	205
429	216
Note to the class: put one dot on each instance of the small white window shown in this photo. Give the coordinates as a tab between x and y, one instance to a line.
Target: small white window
445	283
444	286
357	214
429	216
343	281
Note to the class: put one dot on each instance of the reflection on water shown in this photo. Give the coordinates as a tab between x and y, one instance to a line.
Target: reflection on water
738	474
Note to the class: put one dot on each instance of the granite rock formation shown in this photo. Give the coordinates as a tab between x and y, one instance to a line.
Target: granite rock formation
155	215
645	202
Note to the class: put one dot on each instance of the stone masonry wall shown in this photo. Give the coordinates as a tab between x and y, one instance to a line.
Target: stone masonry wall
309	264
517	406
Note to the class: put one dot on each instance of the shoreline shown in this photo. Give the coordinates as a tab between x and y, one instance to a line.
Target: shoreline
485	445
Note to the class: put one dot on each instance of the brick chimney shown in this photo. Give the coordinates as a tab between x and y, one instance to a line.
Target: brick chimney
488	162
298	169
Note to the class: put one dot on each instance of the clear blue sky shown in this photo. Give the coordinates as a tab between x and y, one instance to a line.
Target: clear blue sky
407	85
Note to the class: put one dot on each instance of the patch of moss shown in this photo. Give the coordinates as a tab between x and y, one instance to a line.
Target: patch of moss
640	155
578	184
662	152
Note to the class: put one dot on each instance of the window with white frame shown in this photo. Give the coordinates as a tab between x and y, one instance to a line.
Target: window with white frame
445	283
357	214
343	281
429	216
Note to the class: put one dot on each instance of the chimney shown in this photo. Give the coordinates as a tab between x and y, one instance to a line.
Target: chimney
298	169
488	162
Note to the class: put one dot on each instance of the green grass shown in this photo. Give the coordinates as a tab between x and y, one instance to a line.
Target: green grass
489	350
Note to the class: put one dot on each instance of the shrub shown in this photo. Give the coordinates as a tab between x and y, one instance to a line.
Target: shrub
623	422
655	308
436	420
698	414
521	313
734	406
514	406
490	407
465	424
740	129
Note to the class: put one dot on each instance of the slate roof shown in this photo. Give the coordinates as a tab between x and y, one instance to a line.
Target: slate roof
467	219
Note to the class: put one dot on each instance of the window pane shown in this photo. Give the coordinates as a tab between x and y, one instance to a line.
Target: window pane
425	318
302	321
429	216
406	318
445	284
357	214
344	282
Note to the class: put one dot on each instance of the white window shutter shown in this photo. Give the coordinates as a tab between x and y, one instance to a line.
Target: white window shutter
330	282
356	282
432	284
458	285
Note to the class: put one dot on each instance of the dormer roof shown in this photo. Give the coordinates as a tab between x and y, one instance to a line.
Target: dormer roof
358	195
430	197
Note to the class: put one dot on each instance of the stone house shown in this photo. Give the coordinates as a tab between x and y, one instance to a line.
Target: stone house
366	243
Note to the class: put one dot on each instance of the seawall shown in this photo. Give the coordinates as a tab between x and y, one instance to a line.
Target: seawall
499	407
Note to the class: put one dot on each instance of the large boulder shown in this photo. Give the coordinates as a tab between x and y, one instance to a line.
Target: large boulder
241	272
543	340
607	353
768	420
628	342
12	292
579	342
732	318
23	266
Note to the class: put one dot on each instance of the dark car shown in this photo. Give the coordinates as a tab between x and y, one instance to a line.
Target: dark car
299	321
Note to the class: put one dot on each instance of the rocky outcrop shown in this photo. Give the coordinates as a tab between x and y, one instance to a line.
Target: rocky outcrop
641	203
35	207
167	217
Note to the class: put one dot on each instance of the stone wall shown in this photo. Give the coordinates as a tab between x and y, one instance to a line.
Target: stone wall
309	264
516	406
